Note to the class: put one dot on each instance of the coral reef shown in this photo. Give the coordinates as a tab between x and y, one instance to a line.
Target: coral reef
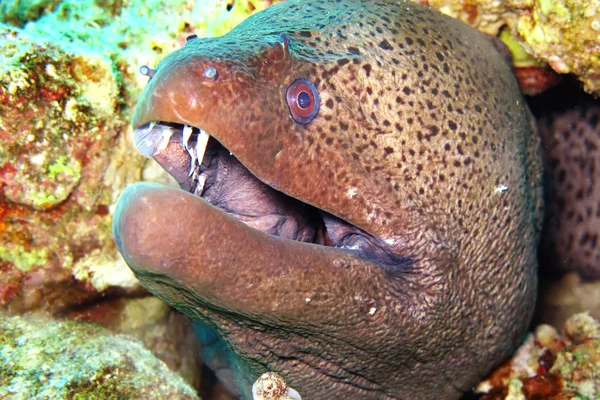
68	81
165	332
58	125
40	358
550	366
563	34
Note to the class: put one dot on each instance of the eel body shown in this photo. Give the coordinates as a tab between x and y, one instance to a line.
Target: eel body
360	202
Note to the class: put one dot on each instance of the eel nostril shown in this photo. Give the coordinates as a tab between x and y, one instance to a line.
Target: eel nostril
147	71
210	73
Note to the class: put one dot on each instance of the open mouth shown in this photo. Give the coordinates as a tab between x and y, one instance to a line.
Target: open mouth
203	166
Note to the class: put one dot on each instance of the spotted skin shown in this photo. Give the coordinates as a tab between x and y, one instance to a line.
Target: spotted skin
571	142
422	140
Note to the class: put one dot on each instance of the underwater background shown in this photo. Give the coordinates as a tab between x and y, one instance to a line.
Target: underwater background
74	321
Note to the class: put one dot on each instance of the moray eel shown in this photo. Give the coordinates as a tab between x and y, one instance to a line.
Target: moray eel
360	202
571	235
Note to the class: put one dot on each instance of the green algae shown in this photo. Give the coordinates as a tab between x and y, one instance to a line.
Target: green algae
63	165
22	259
45	359
68	82
520	57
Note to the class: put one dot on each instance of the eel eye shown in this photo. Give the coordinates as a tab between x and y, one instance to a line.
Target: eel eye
303	100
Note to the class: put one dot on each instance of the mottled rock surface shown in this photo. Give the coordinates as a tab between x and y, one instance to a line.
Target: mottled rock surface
551	366
46	359
164	331
563	34
571	143
68	81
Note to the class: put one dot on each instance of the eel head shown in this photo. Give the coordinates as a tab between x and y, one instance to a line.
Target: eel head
297	234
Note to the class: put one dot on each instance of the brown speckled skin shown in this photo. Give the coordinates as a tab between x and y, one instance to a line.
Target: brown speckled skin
422	140
571	142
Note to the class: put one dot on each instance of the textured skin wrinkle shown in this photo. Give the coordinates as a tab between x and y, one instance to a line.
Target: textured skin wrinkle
422	140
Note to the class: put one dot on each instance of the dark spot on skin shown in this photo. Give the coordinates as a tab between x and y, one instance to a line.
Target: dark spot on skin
353	50
367	68
329	103
385	45
343	61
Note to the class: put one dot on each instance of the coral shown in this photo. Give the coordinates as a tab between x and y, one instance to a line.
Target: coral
68	83
47	359
551	366
564	34
58	124
164	331
271	386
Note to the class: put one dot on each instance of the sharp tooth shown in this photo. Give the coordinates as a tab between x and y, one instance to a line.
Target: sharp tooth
201	144
187	133
193	164
152	139
200	186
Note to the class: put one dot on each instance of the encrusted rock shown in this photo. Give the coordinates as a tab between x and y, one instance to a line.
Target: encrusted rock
562	34
41	358
68	81
551	366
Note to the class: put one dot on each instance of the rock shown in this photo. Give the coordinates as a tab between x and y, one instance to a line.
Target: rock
562	34
570	139
551	366
167	333
58	128
41	358
68	81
